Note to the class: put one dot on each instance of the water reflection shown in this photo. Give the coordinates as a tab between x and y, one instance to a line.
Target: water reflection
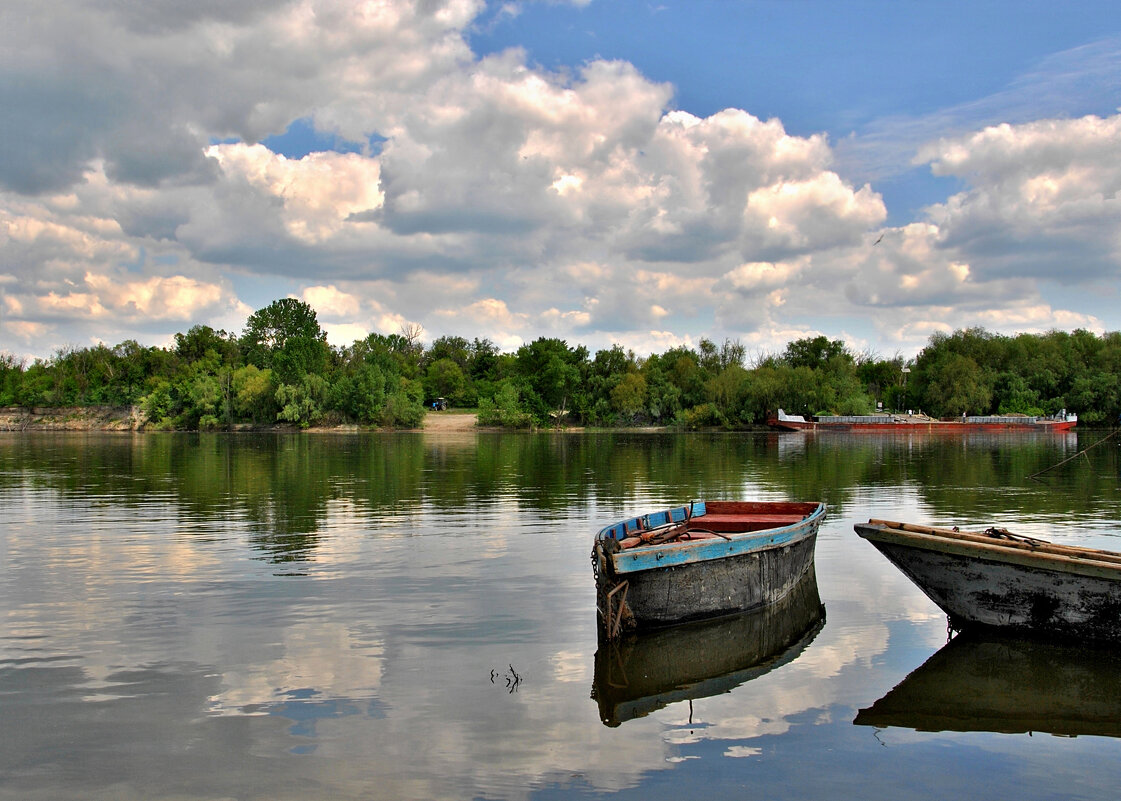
262	616
288	488
1008	685
643	673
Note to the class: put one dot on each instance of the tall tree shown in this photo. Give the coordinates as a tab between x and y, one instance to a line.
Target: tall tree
957	385
285	337
552	372
814	352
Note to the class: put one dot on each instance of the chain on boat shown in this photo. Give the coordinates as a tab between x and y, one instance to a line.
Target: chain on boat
611	594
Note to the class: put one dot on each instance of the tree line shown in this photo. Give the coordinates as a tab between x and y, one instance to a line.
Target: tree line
281	369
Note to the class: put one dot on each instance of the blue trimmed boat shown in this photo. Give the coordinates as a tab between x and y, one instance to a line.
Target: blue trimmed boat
700	561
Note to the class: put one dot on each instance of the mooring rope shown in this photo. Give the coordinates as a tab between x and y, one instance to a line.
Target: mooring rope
1075	456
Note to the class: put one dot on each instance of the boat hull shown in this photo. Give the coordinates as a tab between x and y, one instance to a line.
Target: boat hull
738	583
688	581
1061	595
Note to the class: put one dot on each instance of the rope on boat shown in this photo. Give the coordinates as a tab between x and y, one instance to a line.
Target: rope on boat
1082	452
1005	534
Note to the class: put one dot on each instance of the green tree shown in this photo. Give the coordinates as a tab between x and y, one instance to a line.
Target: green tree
629	395
880	377
552	373
202	341
393	354
957	385
444	378
728	390
254	395
205	395
457	349
11	377
663	397
813	352
158	405
285	337
361	395
404	406
504	409
302	403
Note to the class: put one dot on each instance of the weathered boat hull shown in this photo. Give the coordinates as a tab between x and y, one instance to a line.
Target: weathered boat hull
1016	585
693	580
683	593
645	672
988	682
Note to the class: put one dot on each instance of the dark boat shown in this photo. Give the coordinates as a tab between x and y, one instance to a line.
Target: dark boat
641	673
911	423
994	579
1008	685
700	561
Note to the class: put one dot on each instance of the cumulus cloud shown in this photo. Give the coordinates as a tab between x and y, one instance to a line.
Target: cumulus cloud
144	86
1041	194
331	303
486	196
317	194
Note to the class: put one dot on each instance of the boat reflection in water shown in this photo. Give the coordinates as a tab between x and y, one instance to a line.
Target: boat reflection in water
985	682
641	673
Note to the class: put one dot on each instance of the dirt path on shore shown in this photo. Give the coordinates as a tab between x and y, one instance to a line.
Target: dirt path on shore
450	421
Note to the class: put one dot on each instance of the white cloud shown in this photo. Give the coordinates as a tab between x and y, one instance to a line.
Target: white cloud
331	303
317	193
344	334
1040	194
176	297
762	276
504	200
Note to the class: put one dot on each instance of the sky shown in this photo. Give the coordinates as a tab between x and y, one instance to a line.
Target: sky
607	172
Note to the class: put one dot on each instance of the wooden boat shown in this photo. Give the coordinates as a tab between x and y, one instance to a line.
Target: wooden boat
995	579
702	560
641	673
909	423
990	682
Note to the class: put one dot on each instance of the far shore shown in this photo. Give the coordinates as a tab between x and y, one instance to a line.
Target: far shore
129	418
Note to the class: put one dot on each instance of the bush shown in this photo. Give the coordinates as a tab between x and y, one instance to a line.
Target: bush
704	416
404	408
505	409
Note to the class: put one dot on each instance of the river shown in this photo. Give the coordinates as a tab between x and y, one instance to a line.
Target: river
412	616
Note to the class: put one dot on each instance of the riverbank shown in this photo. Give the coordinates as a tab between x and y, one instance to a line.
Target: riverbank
129	418
71	418
450	421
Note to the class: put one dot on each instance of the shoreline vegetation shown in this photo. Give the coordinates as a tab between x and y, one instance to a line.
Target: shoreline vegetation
131	419
281	374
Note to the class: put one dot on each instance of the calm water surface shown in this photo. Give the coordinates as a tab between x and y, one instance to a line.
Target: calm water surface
413	616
